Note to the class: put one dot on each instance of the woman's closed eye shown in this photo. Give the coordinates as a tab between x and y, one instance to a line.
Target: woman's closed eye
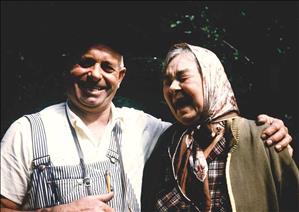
181	77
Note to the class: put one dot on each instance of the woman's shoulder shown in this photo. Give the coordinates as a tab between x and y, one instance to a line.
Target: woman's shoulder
243	124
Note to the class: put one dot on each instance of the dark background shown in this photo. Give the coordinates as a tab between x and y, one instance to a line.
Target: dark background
257	42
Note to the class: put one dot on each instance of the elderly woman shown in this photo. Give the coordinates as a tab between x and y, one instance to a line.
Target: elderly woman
213	159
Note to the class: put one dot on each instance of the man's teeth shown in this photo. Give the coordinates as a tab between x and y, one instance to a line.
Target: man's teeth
92	88
95	88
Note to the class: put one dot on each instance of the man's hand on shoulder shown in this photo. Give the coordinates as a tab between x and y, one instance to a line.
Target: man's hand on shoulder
276	133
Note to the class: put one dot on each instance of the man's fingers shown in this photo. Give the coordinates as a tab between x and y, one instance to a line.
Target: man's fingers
277	137
262	119
283	143
277	127
105	197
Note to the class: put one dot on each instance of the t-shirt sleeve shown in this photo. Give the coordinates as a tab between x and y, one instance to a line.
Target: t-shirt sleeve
16	159
154	128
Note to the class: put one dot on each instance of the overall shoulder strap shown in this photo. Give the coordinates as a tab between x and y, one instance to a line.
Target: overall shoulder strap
116	140
39	140
113	152
40	194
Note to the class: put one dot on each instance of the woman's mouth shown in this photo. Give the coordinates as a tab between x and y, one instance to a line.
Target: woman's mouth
182	102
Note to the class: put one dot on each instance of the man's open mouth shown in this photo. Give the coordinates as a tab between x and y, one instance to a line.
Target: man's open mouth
90	86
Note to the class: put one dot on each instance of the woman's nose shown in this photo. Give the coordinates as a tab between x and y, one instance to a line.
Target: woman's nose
175	85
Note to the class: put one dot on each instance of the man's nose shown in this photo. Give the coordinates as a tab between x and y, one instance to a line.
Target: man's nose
95	72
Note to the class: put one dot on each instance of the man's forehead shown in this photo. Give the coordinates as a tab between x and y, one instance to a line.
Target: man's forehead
106	48
103	52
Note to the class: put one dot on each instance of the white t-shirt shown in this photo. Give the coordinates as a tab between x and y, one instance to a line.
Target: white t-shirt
140	134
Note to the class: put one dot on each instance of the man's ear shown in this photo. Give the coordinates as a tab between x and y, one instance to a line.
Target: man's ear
122	73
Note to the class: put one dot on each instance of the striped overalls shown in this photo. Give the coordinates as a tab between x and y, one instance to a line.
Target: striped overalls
53	185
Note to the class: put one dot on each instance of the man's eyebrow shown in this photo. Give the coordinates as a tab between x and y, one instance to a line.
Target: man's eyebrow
107	62
112	63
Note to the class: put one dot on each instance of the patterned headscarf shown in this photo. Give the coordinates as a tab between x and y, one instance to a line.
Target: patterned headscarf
218	95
